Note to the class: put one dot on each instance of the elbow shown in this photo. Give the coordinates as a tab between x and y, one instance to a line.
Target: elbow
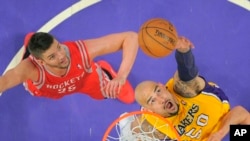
131	40
132	35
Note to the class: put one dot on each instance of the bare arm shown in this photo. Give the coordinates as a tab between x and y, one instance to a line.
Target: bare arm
125	41
23	71
237	115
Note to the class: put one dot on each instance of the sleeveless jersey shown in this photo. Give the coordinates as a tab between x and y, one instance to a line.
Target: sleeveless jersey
83	76
199	116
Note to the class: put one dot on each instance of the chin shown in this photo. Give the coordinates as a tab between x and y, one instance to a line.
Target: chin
175	112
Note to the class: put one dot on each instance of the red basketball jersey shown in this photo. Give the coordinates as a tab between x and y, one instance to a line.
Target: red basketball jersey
83	76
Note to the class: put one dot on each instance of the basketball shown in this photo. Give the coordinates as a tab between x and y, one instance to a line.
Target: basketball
157	37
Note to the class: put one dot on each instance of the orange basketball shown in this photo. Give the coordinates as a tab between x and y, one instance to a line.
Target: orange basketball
157	37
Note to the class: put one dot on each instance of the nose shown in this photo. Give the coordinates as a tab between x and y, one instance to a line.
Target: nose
60	55
161	99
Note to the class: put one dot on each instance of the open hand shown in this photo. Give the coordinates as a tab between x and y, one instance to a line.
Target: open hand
114	86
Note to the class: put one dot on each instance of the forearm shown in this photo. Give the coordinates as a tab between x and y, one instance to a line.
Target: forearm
186	66
237	115
2	89
130	49
9	80
3	84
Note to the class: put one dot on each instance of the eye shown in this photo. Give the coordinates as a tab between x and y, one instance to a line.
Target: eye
51	57
158	91
152	101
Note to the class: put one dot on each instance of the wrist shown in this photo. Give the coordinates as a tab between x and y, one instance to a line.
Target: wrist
183	50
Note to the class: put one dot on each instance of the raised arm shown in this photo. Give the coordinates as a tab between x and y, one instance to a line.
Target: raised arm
23	71
187	83
125	41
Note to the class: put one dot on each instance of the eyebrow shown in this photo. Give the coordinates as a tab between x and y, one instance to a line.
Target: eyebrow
53	53
156	86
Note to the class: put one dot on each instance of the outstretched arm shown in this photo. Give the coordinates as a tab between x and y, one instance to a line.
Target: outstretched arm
186	80
125	41
237	115
23	71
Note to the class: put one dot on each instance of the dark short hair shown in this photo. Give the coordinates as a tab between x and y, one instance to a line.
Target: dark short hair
39	43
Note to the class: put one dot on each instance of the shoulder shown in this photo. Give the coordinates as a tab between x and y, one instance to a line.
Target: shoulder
27	69
188	88
76	46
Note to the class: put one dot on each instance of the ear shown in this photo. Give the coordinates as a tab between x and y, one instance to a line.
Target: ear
40	61
145	109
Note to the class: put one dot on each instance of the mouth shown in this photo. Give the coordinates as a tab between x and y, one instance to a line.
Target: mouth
64	61
168	105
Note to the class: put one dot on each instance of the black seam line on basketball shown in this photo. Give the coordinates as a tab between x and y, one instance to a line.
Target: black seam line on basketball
159	42
149	49
145	28
156	19
158	28
152	21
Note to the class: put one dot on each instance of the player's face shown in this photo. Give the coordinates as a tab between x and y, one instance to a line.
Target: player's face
56	56
161	101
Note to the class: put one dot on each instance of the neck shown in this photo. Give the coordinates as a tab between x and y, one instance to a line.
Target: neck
56	71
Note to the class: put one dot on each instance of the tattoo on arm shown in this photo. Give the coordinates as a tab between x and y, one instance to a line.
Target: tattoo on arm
187	89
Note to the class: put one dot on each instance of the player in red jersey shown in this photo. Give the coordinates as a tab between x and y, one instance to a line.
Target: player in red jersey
52	69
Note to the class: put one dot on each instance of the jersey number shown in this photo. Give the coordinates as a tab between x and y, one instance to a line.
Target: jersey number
67	89
202	121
